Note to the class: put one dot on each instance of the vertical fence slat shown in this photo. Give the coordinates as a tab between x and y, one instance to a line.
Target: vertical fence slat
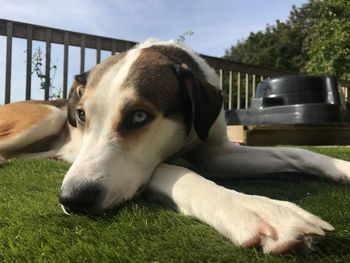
98	50
65	64
48	64
344	93
253	86
127	46
246	90
221	84
230	90
114	47
221	76
238	90
82	54
8	62
29	62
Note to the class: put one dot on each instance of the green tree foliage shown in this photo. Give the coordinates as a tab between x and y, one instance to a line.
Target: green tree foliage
328	43
280	45
315	39
271	48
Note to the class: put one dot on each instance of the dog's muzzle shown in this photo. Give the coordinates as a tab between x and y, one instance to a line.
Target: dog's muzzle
85	199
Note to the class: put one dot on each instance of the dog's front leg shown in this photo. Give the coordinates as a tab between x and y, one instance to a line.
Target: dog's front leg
277	226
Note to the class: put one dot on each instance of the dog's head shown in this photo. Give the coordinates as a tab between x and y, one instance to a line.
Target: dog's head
135	110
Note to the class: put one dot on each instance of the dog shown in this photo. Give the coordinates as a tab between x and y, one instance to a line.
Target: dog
125	121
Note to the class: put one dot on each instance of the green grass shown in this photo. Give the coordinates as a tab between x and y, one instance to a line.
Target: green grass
34	229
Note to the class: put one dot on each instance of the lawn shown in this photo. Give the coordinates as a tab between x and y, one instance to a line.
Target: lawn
34	229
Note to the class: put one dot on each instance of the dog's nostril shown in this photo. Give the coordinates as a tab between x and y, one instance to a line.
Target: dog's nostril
83	199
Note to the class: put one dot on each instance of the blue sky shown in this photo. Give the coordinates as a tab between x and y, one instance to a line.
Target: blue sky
216	24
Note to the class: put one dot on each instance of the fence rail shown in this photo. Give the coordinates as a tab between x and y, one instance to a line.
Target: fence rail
12	29
237	80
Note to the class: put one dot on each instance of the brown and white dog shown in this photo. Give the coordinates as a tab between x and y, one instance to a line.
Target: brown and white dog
130	114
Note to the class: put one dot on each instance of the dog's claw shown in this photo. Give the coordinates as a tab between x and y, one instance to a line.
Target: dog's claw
64	210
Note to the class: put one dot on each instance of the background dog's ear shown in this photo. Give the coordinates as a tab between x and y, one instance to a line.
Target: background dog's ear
82	78
206	100
75	94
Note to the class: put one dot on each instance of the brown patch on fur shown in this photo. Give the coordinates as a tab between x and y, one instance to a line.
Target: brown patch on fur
130	106
206	105
19	116
179	56
171	79
125	134
152	75
131	138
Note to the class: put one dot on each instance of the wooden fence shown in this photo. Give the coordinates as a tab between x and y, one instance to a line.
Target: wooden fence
237	80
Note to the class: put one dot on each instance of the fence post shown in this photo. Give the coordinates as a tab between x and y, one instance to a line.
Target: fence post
238	90
29	62
230	91
65	64
9	30
98	50
82	54
47	65
253	86
114	48
246	90
221	76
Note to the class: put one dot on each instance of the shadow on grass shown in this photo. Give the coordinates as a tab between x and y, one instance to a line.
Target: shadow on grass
288	186
327	247
332	245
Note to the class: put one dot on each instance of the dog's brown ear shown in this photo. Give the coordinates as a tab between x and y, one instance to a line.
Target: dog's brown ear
206	100
75	94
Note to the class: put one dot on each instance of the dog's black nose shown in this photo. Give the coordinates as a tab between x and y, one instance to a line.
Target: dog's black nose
85	199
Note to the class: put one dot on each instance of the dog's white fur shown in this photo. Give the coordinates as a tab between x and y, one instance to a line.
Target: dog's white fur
247	220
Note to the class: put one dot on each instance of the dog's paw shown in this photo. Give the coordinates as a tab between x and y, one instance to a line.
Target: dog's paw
342	172
275	226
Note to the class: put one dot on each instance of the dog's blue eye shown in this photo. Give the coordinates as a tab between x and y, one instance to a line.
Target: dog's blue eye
139	117
135	119
81	116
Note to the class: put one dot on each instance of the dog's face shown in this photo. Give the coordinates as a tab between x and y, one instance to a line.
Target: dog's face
135	110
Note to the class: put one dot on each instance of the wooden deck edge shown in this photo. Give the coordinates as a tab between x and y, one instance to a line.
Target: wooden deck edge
290	134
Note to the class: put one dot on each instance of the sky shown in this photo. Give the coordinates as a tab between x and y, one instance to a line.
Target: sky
216	25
